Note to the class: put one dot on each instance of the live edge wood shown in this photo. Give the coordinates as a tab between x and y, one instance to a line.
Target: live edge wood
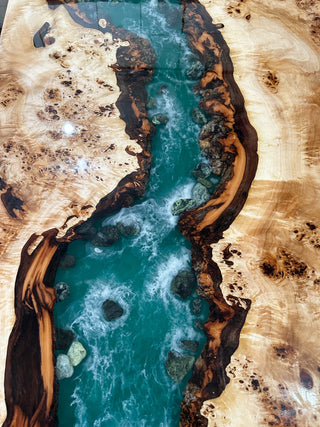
58	67
231	144
258	266
255	244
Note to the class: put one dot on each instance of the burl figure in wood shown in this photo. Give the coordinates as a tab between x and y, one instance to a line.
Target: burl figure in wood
75	141
267	260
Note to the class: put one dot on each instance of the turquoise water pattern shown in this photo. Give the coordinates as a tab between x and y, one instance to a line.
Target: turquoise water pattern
123	381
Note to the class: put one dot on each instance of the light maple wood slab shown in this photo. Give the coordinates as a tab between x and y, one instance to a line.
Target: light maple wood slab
58	178
274	243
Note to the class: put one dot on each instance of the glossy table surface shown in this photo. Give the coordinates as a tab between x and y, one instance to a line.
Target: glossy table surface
67	142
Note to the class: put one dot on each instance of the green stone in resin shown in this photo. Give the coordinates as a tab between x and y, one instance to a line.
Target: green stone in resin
181	205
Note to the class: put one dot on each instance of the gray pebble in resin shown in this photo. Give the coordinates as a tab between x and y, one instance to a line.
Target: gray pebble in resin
200	194
189	345
131	229
112	310
76	353
197	324
87	230
151	103
202	170
64	368
208	184
178	365
183	284
181	205
64	338
107	236
198	116
159	119
214	130
196	306
62	291
195	71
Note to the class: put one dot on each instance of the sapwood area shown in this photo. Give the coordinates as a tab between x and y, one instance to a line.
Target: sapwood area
74	141
256	242
270	253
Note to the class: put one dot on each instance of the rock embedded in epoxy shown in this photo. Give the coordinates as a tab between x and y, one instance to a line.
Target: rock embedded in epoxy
151	103
64	176
218	167
184	283
64	368
62	291
64	338
67	261
208	184
87	230
107	236
112	310
200	194
76	353
178	365
195	71
129	229
196	306
198	116
190	345
197	324
215	129
202	170
181	205
159	119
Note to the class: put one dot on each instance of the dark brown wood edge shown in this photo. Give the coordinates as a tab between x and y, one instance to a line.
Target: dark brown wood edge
224	103
25	393
31	399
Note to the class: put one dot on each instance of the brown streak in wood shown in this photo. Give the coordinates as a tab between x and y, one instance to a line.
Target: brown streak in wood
34	302
32	335
205	224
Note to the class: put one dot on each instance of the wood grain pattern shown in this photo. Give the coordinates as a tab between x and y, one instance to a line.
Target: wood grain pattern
228	140
92	78
255	243
269	255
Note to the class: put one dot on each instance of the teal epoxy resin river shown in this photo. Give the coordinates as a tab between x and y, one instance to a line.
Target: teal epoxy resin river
123	380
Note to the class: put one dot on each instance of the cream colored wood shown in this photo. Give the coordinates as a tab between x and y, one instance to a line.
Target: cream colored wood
274	374
53	173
